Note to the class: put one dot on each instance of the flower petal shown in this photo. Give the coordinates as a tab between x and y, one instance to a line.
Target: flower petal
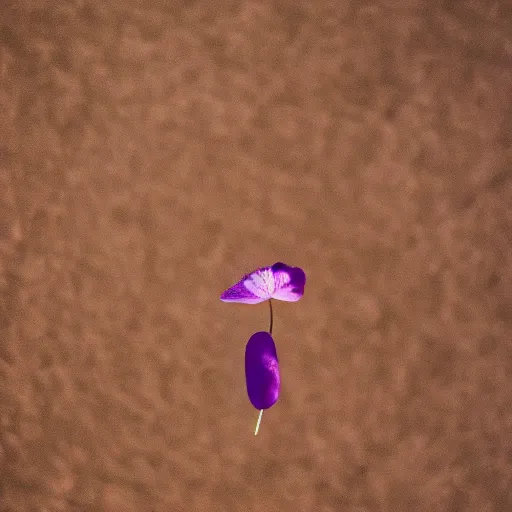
280	282
253	288
239	293
261	283
289	282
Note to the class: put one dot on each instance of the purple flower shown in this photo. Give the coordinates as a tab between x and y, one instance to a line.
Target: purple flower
279	282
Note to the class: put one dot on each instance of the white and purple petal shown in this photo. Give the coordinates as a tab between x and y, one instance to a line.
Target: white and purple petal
240	293
289	282
280	282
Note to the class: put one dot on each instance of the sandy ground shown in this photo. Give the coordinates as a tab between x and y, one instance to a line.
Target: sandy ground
153	151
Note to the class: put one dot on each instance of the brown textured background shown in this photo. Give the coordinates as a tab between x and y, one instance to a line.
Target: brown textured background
154	151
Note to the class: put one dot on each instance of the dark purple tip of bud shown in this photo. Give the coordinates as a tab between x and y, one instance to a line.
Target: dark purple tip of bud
262	370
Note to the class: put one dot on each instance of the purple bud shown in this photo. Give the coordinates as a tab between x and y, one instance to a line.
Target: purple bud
262	370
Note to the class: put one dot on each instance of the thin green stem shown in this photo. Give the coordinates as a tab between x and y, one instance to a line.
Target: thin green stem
271	317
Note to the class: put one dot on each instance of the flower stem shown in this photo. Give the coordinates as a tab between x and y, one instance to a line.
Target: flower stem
271	317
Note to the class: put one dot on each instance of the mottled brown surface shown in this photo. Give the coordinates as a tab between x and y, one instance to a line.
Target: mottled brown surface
154	151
